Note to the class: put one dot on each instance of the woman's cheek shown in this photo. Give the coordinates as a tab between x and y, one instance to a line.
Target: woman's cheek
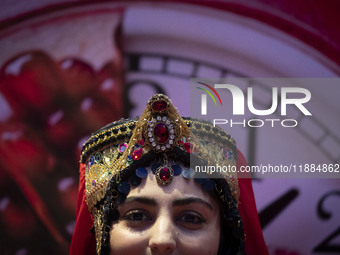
202	242
122	238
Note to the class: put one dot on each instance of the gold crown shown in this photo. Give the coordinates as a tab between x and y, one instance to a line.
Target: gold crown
160	128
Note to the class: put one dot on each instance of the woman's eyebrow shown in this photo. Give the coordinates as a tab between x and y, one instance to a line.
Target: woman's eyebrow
190	200
142	200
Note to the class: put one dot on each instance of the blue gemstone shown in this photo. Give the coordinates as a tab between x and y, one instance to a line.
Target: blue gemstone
122	147
177	169
124	187
94	183
188	173
91	161
129	158
230	155
141	172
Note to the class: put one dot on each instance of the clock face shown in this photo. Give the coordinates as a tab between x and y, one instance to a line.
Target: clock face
300	205
298	215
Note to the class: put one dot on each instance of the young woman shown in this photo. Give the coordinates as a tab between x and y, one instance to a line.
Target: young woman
162	184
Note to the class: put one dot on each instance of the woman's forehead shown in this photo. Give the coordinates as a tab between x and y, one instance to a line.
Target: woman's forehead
179	188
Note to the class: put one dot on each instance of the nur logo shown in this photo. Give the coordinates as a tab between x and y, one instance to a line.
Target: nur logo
286	97
204	97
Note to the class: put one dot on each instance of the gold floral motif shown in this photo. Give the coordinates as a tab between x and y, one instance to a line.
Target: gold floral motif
109	156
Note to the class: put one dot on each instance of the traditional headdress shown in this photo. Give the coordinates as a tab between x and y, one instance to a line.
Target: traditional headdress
116	156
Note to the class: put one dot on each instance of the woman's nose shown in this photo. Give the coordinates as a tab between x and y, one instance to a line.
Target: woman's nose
163	237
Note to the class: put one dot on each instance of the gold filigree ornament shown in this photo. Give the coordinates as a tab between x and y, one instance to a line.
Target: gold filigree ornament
101	154
98	171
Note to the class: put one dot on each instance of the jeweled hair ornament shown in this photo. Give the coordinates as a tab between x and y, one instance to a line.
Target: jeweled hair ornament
117	155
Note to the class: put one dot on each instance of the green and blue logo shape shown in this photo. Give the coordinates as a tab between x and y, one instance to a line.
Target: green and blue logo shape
204	97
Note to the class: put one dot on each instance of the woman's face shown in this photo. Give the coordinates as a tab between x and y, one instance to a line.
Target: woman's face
179	218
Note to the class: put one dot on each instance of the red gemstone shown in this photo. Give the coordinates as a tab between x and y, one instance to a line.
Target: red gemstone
189	147
161	133
159	105
141	142
136	154
164	174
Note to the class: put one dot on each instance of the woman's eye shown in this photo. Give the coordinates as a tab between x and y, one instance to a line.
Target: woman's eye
136	216
191	218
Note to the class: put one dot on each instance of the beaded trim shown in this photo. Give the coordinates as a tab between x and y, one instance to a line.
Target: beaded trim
109	135
114	134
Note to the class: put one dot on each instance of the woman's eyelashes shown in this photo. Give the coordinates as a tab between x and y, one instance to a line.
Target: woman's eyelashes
191	217
190	220
137	217
141	218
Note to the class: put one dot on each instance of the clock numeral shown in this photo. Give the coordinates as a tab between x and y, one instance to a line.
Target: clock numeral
326	245
322	213
269	213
